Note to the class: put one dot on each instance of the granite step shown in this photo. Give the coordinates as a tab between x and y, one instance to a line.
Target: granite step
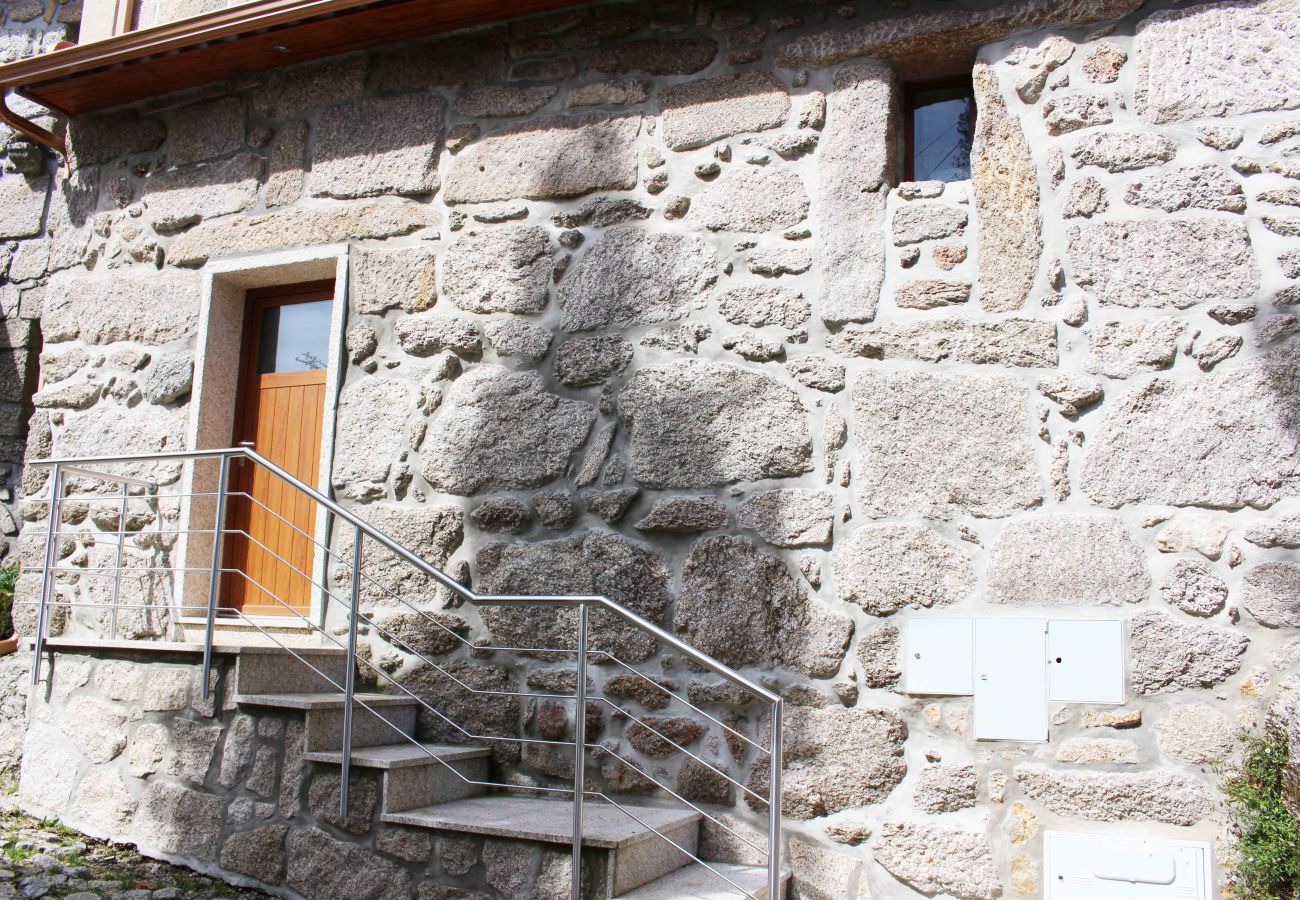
389	719
633	854
271	670
417	775
697	882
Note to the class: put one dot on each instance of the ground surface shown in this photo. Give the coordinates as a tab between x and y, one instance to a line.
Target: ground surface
44	859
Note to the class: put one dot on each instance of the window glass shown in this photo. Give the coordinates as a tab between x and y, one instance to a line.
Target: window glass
294	337
942	123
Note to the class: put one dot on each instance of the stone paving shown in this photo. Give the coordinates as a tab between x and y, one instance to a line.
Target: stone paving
44	859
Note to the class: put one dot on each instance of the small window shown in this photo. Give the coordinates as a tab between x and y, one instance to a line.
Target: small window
940	123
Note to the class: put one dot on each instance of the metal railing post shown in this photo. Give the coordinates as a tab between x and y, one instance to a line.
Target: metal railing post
117	570
350	673
579	750
774	807
47	577
214	579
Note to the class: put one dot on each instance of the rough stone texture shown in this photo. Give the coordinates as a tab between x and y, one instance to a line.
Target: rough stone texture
585	361
177	199
104	802
791	517
320	865
430	334
1196	733
1102	65
392	279
751	199
1200	533
296	227
944	788
883	568
837	759
698	424
562	156
931	293
683	56
1015	342
635	277
1161	264
1284	531
431	532
941	445
501	429
1073	112
174	819
1271	593
1067	560
878	655
1072	392
169	379
917	222
699	112
855	158
502	270
149	307
933	860
1196	187
1217	60
1234	441
1006	200
374	146
743	607
1097	751
927	43
1155	796
1194	588
514	338
1130	347
760	305
627	572
684	514
257	853
1118	151
503	100
371	414
1167	655
1050	56
1087	198
818	373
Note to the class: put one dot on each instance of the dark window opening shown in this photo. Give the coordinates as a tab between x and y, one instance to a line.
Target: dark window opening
940	125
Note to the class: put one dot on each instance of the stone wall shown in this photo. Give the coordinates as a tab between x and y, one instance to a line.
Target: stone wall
639	306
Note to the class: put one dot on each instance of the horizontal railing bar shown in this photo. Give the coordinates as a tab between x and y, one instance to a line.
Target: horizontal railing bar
146	483
64	462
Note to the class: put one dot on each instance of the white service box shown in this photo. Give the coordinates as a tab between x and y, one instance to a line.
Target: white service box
1085	661
938	656
1010	680
1124	867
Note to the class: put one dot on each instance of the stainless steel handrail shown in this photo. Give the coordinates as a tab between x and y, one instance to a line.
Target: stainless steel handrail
80	467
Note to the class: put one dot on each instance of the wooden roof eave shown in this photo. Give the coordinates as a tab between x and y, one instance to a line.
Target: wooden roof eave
259	35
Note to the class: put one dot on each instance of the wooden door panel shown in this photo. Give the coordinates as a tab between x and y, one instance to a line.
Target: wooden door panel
270	549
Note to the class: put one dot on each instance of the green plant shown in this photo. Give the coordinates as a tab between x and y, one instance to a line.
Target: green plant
1267	865
8	578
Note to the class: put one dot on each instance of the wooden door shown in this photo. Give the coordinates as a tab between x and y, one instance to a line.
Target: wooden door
280	409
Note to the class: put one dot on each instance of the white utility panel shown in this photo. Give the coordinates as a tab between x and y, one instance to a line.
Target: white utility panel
1124	867
1010	681
1085	661
938	655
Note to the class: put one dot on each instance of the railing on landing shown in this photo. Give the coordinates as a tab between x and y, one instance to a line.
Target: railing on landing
148	489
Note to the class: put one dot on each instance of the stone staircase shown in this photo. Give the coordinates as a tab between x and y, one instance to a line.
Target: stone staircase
624	857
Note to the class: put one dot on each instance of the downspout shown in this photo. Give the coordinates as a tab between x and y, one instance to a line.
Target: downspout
28	128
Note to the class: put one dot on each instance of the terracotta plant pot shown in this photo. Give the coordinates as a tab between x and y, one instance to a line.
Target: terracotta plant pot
8	645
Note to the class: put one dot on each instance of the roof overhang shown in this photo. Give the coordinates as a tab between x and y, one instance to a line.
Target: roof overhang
260	35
